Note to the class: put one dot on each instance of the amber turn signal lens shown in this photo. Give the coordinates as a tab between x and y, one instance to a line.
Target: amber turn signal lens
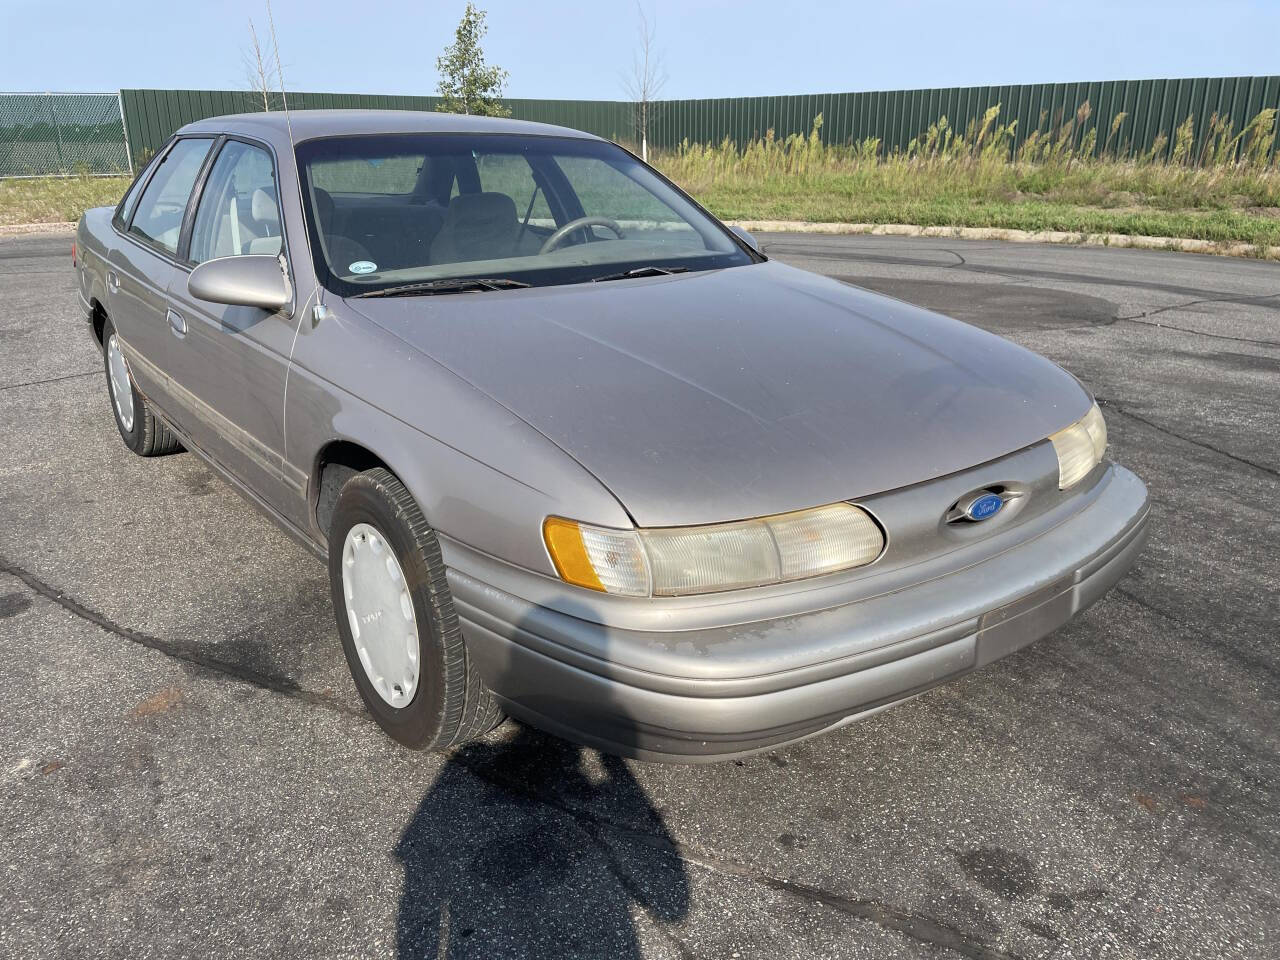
564	543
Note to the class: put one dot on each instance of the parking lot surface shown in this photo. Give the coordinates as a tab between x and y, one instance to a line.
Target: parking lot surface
186	769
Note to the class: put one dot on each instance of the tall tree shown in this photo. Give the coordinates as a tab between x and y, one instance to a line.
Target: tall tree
467	84
256	70
646	80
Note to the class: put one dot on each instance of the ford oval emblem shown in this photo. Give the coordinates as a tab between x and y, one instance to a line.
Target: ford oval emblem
984	507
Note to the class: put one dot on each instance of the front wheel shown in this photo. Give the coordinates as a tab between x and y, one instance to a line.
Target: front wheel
142	431
396	618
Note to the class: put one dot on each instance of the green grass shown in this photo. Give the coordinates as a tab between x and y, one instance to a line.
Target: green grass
55	199
1230	192
930	203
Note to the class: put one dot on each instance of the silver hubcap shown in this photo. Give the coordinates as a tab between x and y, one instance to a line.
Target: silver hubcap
121	386
381	615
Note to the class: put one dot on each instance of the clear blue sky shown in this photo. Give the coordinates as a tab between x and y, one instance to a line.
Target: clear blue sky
711	48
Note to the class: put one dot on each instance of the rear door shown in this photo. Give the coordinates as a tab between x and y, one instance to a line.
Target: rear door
143	263
230	362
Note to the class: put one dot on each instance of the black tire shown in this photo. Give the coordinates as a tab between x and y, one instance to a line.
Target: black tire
148	435
451	703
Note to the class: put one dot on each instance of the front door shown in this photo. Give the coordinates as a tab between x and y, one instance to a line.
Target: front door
230	362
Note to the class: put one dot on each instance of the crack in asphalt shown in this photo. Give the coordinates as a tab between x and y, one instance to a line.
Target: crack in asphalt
1143	318
1263	468
1252	299
922	929
37	383
1148	605
963	264
1064	277
1255	665
1016	275
184	652
1199	333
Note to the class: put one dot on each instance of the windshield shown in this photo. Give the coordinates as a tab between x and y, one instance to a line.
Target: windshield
392	210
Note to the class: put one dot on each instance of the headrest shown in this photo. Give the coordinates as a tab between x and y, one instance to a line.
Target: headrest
495	208
263	207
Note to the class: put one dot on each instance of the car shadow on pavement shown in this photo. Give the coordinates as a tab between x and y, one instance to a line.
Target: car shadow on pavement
530	846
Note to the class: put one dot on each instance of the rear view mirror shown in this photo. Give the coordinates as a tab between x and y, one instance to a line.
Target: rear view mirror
252	281
746	238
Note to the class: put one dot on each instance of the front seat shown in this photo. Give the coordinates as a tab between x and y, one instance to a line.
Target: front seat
477	226
342	251
266	216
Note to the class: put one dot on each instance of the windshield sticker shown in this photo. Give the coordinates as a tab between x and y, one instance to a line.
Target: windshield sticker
363	266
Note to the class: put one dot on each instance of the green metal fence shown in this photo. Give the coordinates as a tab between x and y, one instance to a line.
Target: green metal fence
53	133
1150	108
1147	110
61	134
153	115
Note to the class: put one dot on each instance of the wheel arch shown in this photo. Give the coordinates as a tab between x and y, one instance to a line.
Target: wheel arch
335	463
97	318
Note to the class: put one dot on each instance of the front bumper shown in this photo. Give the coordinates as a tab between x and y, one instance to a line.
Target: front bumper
717	692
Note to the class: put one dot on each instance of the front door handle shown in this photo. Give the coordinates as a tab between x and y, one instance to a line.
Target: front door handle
177	324
113	282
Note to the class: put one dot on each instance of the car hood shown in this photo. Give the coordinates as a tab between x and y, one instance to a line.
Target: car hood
741	392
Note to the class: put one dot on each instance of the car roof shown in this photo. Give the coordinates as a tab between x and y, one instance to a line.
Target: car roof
310	124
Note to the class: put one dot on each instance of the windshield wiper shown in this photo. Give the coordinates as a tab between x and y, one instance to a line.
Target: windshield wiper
649	271
462	285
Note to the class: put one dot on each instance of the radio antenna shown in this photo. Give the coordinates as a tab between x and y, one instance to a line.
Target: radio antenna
284	97
288	121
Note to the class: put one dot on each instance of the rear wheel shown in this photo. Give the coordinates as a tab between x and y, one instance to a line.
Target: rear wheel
396	618
142	431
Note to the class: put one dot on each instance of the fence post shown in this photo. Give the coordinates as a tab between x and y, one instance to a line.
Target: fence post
53	121
124	128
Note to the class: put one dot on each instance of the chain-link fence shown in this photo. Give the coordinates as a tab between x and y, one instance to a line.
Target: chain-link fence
61	134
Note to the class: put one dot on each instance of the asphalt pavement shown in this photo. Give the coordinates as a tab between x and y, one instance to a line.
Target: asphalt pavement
186	769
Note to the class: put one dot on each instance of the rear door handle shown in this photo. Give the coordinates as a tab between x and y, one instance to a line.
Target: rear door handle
177	324
113	282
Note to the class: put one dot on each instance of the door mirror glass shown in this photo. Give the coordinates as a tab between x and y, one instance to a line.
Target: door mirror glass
249	281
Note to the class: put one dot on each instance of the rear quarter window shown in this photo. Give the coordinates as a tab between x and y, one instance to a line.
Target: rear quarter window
125	210
163	204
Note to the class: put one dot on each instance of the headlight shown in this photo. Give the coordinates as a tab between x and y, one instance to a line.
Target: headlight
674	561
1080	447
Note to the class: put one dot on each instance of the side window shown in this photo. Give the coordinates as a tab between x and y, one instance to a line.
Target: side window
238	212
510	173
160	210
131	198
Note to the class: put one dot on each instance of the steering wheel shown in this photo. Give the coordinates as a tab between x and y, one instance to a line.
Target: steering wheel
557	238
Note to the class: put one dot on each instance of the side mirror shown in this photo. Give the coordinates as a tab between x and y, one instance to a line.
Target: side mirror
746	238
253	281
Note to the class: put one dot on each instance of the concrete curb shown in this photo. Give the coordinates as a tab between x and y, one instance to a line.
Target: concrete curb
22	229
1178	244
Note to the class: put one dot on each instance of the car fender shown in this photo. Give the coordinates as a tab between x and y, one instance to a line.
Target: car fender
481	476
